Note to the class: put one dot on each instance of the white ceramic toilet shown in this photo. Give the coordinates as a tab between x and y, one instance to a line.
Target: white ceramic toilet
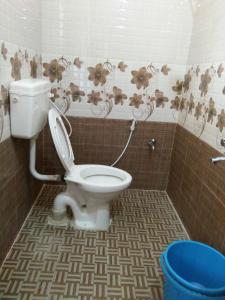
89	188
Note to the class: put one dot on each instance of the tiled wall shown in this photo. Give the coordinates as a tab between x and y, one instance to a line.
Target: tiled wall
17	190
16	63
132	30
20	22
101	141
19	48
19	56
196	186
203	108
121	58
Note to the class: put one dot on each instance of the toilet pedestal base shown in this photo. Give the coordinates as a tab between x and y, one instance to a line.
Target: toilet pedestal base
88	225
95	219
85	217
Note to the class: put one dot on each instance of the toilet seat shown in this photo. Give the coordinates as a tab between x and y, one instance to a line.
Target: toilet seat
61	139
99	178
92	178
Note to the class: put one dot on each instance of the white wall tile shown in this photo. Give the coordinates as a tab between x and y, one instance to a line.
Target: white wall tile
206	50
20	22
137	32
208	39
20	28
120	29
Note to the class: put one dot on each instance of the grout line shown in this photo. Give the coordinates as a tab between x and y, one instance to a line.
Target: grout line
145	190
175	211
171	157
43	148
132	189
21	228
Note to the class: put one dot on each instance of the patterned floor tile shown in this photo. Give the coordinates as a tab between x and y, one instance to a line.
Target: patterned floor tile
59	263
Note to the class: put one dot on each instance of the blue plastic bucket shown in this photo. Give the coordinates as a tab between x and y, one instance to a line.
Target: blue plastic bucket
197	267
173	290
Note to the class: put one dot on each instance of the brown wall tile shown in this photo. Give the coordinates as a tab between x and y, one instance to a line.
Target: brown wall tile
197	188
100	141
17	190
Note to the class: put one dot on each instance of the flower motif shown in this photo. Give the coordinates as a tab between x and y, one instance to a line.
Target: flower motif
33	68
75	92
182	103
178	87
53	70
122	66
55	96
136	100
118	95
205	80
165	70
220	70
16	67
141	78
4	51
197	70
175	103
221	120
211	110
198	110
187	80
77	62
4	98
159	98
191	104
98	74
178	103
94	97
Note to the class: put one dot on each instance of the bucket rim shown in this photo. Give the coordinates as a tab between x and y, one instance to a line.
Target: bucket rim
204	291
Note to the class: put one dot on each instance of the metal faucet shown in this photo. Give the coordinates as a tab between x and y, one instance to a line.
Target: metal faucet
215	160
152	143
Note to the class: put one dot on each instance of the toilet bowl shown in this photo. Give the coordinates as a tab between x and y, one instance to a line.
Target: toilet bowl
89	188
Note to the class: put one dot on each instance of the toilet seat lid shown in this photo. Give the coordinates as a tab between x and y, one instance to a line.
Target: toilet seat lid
61	139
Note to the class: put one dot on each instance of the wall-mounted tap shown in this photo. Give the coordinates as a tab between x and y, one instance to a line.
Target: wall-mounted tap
152	144
222	142
215	160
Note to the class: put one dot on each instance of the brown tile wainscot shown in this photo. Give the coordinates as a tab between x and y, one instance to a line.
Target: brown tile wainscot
100	141
17	190
197	188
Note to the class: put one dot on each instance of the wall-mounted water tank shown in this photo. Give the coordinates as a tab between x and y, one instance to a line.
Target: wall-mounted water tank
29	106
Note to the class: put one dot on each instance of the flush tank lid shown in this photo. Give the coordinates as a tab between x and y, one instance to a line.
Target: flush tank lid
30	87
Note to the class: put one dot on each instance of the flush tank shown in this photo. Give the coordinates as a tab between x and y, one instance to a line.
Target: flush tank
29	106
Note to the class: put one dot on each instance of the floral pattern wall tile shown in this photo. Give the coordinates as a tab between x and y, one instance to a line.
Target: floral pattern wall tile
15	63
113	89
123	89
145	91
204	103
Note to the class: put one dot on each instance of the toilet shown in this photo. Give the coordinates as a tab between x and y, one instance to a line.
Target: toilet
89	188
